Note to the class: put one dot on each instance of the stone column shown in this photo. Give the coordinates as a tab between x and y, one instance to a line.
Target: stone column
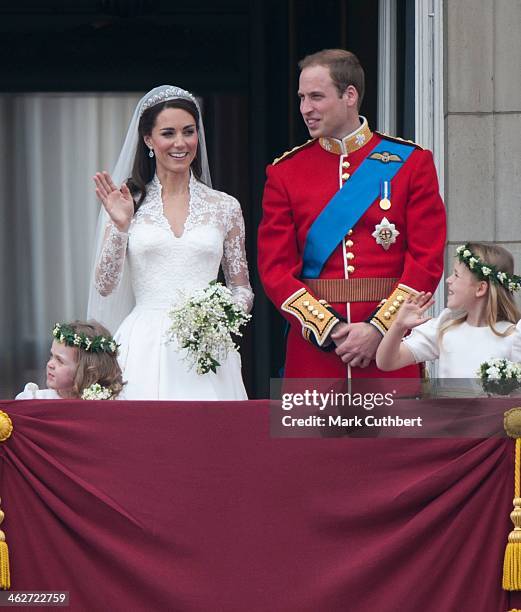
483	122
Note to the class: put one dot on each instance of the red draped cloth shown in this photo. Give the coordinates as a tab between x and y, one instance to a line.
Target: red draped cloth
194	507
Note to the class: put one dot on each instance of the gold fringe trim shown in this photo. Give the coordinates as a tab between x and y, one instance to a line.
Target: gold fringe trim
512	562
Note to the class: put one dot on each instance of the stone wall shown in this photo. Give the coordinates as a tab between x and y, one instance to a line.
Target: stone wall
483	122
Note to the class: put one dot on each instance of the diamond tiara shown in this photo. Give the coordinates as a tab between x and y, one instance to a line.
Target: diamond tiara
167	94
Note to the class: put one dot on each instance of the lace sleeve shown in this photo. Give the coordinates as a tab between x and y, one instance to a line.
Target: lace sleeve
111	259
234	264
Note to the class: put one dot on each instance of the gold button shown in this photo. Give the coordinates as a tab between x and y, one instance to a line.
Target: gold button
345	176
350	255
310	308
350	268
396	304
349	243
315	313
392	309
306	303
321	315
345	164
387	315
400	298
322	302
350	232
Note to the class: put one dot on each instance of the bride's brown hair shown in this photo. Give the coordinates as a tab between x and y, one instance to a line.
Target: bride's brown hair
144	166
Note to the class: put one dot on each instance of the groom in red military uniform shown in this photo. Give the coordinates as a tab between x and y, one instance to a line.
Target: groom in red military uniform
352	224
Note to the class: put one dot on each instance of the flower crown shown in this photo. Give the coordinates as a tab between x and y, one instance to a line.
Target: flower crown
485	271
65	334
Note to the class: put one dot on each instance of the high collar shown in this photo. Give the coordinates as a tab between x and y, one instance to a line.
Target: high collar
156	183
350	143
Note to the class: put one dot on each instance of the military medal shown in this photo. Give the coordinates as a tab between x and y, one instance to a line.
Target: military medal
385	194
385	233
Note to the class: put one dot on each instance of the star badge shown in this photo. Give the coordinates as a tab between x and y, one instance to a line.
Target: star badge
385	233
360	139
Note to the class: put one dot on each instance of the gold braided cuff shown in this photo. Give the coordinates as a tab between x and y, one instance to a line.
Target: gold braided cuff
313	314
383	318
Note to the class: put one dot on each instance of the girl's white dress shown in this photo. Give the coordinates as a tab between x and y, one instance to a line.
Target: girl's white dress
164	268
31	391
463	347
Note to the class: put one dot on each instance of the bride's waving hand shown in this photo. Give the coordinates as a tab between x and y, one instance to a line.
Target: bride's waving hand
118	203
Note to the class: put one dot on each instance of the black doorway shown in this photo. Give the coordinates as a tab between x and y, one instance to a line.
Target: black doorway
239	56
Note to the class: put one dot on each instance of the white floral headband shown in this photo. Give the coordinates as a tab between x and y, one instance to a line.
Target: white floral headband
485	271
65	334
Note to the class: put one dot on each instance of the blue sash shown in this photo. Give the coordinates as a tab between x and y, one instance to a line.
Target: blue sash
347	205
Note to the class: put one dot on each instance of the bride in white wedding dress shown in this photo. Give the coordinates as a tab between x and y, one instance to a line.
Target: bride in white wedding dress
162	235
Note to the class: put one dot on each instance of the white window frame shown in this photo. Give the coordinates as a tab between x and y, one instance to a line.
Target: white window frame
428	96
386	103
429	123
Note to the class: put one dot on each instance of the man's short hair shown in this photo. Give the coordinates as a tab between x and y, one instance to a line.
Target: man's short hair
344	68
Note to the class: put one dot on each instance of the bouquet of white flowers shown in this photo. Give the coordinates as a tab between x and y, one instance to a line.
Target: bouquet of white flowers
500	376
202	325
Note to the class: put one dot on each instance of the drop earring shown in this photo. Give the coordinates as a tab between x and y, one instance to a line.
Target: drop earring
151	153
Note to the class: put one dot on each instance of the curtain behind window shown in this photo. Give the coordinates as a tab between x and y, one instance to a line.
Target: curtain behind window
54	143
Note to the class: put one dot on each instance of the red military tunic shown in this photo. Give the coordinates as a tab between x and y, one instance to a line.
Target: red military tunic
298	187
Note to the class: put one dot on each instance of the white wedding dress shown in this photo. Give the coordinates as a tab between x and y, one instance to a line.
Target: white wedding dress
165	268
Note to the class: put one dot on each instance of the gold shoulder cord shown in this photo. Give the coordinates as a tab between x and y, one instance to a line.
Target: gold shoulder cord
291	151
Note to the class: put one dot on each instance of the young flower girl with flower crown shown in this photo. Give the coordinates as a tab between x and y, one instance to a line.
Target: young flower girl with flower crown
481	320
83	364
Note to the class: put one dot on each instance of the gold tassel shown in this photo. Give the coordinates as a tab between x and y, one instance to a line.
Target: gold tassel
5	576
512	562
6	429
